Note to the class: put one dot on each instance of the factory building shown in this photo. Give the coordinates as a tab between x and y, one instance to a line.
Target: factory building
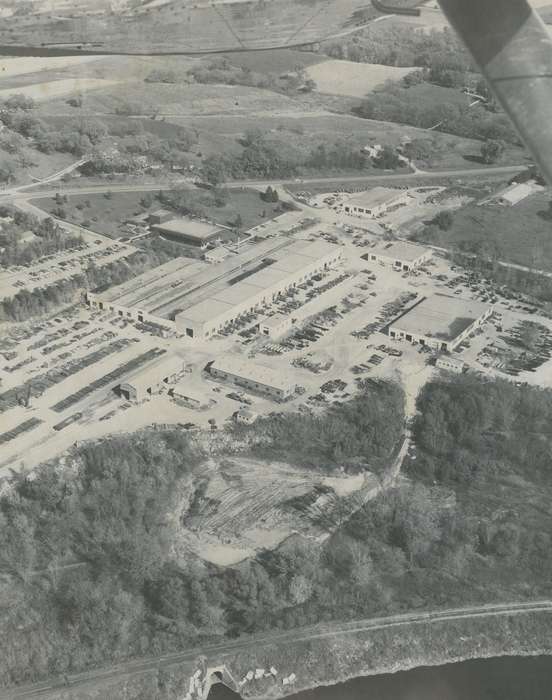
276	326
295	264
374	202
187	230
259	379
441	322
197	299
400	255
151	379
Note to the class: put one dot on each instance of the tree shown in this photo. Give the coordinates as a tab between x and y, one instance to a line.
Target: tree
444	220
19	101
492	150
238	222
387	158
7	170
214	170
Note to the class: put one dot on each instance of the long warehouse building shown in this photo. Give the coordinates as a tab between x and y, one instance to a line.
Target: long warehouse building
197	300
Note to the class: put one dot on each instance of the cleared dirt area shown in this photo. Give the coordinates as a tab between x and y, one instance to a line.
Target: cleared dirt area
246	505
352	79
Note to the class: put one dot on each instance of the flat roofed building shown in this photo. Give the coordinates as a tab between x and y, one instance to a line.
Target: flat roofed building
159	216
182	393
188	230
197	300
401	255
450	364
152	378
514	194
211	315
374	202
245	416
216	255
276	326
253	377
441	322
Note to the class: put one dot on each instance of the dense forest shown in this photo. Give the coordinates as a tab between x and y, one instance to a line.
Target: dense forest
360	434
470	523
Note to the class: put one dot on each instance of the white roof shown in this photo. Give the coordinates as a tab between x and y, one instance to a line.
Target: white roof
401	250
375	197
516	192
253	372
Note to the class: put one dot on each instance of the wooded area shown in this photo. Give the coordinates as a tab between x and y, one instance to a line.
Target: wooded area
470	524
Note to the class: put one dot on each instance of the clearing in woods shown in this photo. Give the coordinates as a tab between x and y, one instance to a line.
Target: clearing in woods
248	505
352	79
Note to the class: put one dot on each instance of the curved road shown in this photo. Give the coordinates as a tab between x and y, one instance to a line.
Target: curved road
139	666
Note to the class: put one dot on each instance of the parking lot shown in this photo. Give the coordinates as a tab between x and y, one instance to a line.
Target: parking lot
60	371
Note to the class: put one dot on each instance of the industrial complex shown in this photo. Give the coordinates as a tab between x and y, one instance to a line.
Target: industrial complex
198	300
441	322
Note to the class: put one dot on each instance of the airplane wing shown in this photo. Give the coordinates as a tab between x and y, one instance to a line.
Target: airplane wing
513	49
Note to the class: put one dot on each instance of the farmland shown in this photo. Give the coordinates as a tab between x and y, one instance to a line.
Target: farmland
352	79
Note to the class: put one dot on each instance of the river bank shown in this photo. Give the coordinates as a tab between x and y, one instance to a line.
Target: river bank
504	678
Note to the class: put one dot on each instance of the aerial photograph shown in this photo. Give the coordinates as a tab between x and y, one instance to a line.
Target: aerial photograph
276	349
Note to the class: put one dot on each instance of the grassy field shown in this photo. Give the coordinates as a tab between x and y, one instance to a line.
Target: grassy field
518	234
107	214
352	79
179	100
54	89
274	60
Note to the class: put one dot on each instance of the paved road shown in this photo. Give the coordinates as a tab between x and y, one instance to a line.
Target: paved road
20	193
216	652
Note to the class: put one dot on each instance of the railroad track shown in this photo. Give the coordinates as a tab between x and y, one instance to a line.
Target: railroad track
139	666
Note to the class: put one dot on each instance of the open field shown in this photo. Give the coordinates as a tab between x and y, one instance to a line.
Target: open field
518	234
352	79
107	215
137	97
274	60
54	89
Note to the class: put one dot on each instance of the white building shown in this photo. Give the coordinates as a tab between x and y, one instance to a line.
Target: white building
290	267
253	377
399	254
374	202
216	255
450	364
441	322
514	194
245	416
276	326
151	379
